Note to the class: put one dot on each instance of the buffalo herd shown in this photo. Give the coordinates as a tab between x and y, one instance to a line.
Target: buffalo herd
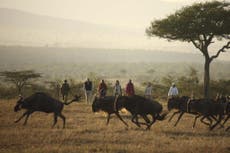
211	112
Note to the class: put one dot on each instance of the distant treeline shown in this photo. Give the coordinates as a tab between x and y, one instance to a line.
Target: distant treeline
187	84
77	63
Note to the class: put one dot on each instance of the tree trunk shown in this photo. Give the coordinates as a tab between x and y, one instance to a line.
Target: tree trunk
19	90
207	78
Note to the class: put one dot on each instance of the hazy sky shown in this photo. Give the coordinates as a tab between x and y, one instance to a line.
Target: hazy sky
131	13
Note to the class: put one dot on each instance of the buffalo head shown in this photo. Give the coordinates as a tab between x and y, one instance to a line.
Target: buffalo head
19	104
95	104
76	98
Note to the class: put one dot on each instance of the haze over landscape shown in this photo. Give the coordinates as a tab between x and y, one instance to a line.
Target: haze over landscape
89	24
49	48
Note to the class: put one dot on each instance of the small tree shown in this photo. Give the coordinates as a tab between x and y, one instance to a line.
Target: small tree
19	78
200	24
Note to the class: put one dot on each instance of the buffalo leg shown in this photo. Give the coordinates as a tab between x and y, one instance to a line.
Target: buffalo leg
118	115
27	116
219	120
226	119
202	120
181	114
213	117
139	123
135	121
227	128
194	123
63	118
146	119
108	117
55	120
173	115
24	114
153	121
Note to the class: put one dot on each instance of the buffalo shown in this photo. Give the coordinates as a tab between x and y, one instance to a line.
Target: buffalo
42	102
208	109
106	104
226	102
138	105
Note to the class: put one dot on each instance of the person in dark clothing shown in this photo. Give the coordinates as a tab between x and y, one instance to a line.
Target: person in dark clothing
65	90
102	88
88	88
130	89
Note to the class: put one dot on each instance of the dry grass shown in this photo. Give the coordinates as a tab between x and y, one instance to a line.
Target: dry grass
86	132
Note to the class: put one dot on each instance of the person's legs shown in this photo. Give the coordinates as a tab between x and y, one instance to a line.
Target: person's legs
89	97
65	97
86	97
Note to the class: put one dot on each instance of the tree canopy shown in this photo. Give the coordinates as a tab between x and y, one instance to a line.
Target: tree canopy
194	22
19	78
199	24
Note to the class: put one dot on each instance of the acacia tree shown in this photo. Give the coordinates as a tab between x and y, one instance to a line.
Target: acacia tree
19	78
201	24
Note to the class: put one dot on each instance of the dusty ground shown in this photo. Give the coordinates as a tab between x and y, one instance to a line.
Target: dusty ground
87	132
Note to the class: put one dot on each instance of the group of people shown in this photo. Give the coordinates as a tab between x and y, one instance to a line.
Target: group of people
117	90
102	89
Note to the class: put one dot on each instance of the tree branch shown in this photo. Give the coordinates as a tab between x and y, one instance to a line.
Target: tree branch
209	40
195	44
227	46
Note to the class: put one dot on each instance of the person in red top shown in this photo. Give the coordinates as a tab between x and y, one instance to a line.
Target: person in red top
130	89
102	89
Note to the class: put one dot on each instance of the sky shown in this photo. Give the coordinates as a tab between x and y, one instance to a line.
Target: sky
133	14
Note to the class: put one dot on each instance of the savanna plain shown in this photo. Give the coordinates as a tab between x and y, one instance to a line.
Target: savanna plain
87	132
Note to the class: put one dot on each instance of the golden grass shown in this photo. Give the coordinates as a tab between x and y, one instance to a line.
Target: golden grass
87	132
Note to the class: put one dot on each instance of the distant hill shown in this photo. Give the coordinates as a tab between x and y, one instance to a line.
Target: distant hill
108	63
93	55
23	28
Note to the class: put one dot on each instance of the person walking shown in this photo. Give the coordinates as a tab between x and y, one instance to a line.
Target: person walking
173	91
102	89
148	91
130	88
65	90
117	89
88	88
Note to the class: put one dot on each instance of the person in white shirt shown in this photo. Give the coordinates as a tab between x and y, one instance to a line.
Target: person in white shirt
117	89
148	91
173	91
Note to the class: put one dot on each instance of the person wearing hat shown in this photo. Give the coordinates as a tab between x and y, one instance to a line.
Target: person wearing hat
88	88
173	91
65	90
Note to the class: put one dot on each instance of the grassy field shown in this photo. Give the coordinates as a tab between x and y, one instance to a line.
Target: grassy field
86	132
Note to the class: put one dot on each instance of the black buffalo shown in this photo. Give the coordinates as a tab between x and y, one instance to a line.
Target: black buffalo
226	102
106	104
206	109
138	105
42	102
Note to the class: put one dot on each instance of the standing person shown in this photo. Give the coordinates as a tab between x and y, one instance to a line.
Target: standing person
130	89
65	90
117	89
102	88
88	87
148	91
173	91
